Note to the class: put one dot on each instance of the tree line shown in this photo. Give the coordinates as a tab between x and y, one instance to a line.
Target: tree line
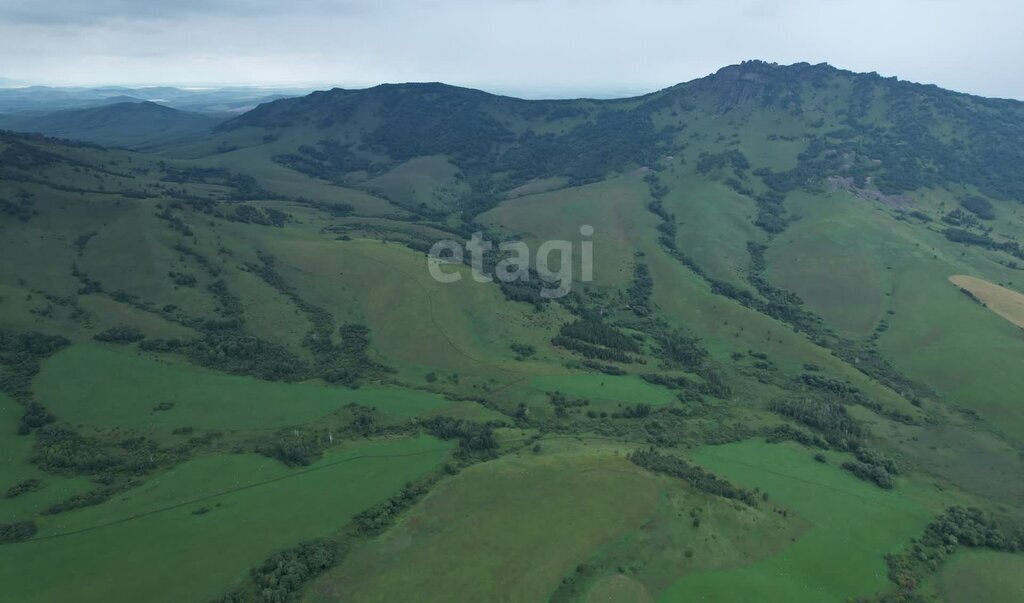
697	477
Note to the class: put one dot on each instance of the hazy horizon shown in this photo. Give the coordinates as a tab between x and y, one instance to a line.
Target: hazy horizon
607	93
527	48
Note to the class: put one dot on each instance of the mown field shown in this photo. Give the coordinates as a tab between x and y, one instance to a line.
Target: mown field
1005	302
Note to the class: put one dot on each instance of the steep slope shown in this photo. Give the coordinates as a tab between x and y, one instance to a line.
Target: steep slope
784	127
899	135
753	166
833	203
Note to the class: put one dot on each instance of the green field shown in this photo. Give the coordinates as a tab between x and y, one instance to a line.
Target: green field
714	224
151	545
15	466
626	390
418	323
514	514
835	258
949	329
425	180
981	576
853	525
613	207
102	386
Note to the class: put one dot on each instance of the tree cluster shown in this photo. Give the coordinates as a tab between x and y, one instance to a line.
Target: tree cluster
640	290
17	531
119	334
20	356
678	349
697	477
281	576
956	527
378	517
476	440
979	206
24	487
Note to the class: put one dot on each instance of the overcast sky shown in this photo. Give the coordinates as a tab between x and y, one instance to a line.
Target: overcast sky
524	47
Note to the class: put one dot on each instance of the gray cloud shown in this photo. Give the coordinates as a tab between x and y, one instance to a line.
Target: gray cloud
69	12
527	47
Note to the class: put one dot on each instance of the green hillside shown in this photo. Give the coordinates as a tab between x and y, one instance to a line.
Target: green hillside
131	125
769	385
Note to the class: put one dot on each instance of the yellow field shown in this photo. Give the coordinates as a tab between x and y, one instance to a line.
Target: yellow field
1005	302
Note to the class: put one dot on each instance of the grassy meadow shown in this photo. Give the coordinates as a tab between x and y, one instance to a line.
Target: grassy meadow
208	520
525	532
980	576
217	351
133	386
853	525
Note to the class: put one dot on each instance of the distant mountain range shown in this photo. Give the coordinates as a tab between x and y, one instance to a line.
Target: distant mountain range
202	100
134	118
130	124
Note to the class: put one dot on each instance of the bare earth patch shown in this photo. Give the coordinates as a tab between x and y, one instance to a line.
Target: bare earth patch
1005	302
870	191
